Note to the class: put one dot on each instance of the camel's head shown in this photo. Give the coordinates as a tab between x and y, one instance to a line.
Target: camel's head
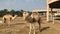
25	14
15	16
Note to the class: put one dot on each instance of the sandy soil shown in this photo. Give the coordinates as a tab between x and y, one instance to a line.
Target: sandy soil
19	26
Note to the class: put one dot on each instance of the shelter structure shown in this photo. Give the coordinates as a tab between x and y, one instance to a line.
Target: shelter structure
52	4
44	12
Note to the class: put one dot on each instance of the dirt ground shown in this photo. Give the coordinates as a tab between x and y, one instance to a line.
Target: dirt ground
19	26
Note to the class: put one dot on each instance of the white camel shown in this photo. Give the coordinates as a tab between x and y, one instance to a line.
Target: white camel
25	14
33	18
8	17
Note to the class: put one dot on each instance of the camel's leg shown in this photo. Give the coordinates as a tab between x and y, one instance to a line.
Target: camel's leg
30	28
39	22
4	20
34	28
40	27
8	23
53	20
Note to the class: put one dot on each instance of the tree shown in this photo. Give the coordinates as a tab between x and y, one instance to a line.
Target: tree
19	13
3	12
12	12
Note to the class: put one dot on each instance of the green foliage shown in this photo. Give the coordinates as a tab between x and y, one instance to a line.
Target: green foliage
19	13
3	12
12	12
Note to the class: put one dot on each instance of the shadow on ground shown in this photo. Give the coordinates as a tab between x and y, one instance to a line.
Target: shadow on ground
44	28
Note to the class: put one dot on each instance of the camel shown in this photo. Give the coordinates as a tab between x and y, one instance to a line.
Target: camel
33	18
25	15
8	17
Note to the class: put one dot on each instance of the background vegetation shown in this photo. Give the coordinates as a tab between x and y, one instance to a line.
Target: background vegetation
13	12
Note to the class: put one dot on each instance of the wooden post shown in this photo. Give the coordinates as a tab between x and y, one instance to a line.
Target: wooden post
47	11
52	17
30	28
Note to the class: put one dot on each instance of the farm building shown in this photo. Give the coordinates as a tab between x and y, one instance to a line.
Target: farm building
52	4
44	12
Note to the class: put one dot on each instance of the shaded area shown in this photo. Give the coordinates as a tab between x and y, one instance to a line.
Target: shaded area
44	28
55	4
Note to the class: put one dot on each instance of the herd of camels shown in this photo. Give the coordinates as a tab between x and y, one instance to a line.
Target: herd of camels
30	18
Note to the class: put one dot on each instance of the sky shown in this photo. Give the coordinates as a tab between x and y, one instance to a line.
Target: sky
28	5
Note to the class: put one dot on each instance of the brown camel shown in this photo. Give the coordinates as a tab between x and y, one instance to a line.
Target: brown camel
8	17
33	18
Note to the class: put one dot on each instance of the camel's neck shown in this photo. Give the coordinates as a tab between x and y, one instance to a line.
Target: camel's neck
14	17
